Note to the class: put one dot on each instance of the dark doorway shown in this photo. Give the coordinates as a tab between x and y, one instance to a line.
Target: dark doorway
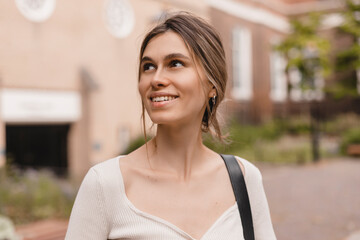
38	146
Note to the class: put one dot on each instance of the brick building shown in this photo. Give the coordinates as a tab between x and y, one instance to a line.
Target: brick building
250	29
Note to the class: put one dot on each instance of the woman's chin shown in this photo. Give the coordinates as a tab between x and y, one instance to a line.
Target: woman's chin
163	121
166	120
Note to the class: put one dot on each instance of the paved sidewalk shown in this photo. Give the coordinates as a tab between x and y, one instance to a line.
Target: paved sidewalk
316	201
354	236
51	229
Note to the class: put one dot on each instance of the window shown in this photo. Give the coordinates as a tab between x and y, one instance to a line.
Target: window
295	80
278	92
119	17
36	10
299	93
242	64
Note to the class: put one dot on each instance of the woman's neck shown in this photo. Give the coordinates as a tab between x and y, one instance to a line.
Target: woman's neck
178	150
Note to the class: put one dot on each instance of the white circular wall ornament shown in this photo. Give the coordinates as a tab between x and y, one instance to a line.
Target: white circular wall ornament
36	10
119	17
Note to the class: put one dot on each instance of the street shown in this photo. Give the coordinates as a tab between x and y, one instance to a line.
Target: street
316	201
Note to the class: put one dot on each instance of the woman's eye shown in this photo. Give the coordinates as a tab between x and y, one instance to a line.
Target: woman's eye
176	63
148	67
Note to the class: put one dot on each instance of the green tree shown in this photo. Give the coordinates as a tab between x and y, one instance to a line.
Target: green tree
307	52
348	60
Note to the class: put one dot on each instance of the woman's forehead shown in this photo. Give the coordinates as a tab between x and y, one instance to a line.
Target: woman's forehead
165	43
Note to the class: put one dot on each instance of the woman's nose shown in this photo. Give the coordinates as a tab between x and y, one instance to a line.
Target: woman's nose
159	79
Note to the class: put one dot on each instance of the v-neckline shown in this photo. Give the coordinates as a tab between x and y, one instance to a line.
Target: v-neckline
161	220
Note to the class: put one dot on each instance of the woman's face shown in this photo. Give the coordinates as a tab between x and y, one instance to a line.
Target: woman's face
170	84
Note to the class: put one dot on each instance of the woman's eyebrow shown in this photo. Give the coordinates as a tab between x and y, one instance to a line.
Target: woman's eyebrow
167	57
146	58
175	55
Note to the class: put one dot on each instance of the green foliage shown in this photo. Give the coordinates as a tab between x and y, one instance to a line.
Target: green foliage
352	18
306	50
281	141
346	87
33	195
341	124
242	136
349	59
351	136
295	126
289	150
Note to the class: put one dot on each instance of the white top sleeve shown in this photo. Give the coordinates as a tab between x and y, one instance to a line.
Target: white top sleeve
88	220
263	229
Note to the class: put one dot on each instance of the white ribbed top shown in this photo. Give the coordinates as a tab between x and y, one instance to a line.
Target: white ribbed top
102	211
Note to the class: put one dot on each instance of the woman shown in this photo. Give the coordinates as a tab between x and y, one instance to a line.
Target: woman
173	187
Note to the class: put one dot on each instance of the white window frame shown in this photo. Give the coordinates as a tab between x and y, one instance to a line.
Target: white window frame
242	87
297	94
279	89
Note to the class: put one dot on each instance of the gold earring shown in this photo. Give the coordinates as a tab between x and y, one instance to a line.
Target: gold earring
214	99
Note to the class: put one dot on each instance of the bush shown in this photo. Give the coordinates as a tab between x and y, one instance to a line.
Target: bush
279	141
295	125
32	195
341	124
279	152
351	136
243	136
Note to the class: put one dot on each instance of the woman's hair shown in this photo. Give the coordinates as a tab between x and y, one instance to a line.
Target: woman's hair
206	49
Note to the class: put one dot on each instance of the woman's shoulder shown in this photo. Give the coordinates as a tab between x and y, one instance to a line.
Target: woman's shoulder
250	171
105	173
106	165
103	178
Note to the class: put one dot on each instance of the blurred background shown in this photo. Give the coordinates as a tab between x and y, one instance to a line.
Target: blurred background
69	100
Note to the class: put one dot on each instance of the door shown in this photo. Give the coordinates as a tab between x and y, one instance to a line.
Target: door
38	146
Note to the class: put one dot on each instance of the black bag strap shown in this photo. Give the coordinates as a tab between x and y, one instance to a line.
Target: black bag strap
241	195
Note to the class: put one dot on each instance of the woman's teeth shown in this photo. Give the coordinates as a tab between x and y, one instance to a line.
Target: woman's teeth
163	98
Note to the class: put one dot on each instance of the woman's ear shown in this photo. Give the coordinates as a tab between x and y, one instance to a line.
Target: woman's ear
212	92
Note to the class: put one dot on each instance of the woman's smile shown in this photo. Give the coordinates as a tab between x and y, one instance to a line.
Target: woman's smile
159	100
